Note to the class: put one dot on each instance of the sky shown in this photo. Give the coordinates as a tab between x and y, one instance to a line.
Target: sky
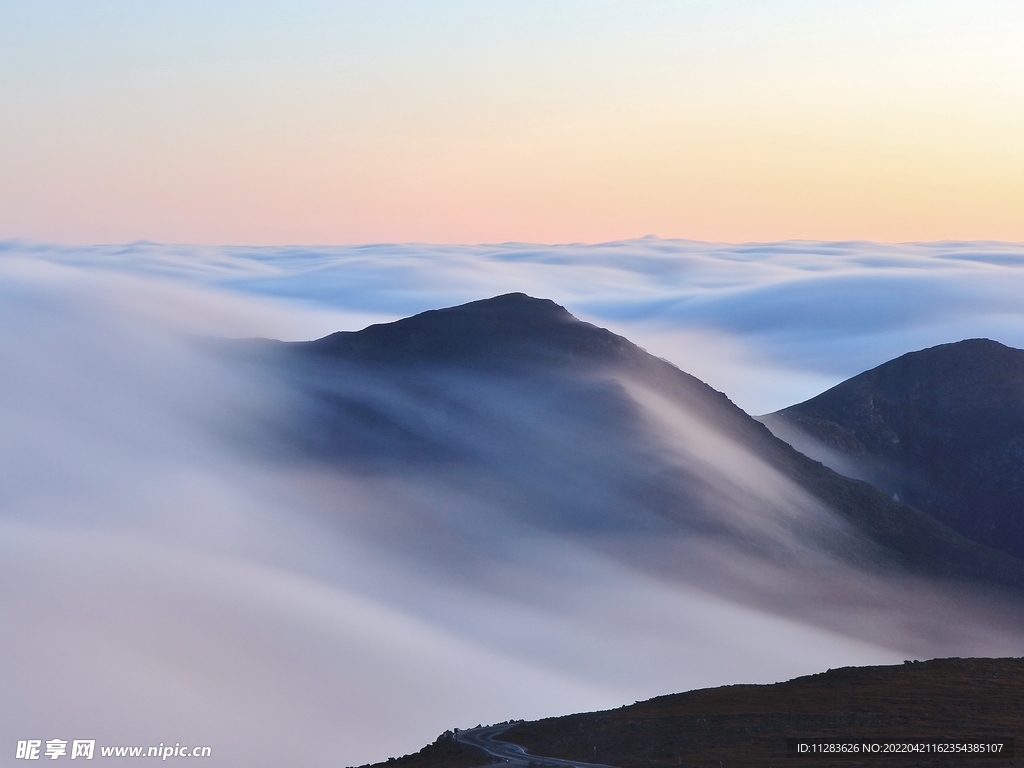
478	122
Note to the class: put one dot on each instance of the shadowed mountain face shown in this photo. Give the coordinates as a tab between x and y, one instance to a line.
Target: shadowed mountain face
507	420
941	429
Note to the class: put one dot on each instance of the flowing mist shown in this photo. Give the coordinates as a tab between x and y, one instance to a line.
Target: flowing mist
206	547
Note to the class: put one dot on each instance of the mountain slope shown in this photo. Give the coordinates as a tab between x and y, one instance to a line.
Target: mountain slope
941	699
519	345
942	429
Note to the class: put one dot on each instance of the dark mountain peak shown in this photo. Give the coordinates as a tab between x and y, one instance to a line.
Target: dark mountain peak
515	304
969	374
510	313
512	328
970	358
942	357
941	428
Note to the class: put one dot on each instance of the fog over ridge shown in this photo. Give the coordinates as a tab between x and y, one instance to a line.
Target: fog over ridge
801	315
181	563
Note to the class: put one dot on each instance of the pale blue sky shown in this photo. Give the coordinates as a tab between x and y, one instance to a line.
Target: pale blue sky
481	121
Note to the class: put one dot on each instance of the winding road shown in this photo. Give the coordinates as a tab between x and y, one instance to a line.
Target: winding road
512	754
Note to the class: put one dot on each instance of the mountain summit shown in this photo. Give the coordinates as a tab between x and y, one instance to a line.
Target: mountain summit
509	329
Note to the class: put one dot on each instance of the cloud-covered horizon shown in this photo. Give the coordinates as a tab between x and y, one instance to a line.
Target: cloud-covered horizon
770	324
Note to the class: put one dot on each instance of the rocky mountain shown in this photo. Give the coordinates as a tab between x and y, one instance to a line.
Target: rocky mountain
941	429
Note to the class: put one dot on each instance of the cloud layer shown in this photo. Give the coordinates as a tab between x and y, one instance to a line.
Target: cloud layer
163	581
770	324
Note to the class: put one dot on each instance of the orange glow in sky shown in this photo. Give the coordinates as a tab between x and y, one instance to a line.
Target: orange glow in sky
320	122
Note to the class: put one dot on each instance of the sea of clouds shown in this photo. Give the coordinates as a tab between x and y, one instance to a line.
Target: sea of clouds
768	323
160	585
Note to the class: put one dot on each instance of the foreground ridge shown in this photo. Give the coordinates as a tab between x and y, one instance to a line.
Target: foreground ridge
747	725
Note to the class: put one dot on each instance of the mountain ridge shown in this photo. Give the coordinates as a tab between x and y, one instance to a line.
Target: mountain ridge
516	335
947	699
493	330
941	428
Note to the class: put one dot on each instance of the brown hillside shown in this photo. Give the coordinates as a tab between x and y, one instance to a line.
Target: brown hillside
747	725
446	752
